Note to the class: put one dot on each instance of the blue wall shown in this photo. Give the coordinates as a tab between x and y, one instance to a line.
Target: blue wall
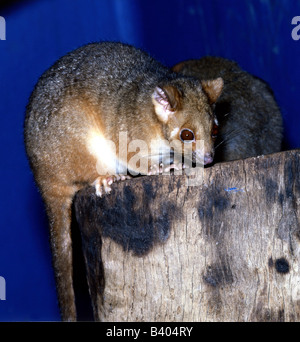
255	33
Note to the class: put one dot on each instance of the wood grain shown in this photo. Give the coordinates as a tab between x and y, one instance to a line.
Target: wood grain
157	249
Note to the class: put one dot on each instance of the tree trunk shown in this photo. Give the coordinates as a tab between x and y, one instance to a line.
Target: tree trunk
160	249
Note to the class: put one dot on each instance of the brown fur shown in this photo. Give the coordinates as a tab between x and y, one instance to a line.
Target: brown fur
91	94
250	122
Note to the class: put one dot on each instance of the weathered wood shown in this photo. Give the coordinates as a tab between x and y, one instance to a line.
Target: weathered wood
227	250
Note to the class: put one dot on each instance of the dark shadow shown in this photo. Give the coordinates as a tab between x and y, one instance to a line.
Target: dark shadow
82	296
7	6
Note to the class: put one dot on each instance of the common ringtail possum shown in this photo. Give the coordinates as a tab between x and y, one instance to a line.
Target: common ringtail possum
75	115
250	122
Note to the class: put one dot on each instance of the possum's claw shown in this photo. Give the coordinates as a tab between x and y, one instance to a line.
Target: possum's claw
102	184
155	169
161	169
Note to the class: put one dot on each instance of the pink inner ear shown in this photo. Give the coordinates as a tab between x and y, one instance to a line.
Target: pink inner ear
161	98
162	105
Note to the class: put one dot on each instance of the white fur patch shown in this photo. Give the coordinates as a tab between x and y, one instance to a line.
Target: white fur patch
162	113
104	151
174	132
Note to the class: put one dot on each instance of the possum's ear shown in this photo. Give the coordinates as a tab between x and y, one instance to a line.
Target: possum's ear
178	67
213	89
166	101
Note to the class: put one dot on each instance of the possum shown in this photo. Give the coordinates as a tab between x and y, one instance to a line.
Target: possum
78	111
250	121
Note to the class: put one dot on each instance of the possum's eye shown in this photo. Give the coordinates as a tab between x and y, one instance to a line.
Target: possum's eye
215	131
186	135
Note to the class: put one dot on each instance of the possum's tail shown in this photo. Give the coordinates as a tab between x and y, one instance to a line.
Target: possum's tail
59	205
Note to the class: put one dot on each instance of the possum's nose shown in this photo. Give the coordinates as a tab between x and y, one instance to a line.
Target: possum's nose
208	158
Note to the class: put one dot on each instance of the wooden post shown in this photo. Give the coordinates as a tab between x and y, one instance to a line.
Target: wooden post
157	249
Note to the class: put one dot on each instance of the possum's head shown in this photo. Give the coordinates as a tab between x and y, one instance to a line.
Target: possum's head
185	107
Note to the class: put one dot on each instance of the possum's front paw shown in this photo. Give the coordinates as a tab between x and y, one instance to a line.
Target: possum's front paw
102	184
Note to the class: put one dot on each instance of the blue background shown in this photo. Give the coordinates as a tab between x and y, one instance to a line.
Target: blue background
257	34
